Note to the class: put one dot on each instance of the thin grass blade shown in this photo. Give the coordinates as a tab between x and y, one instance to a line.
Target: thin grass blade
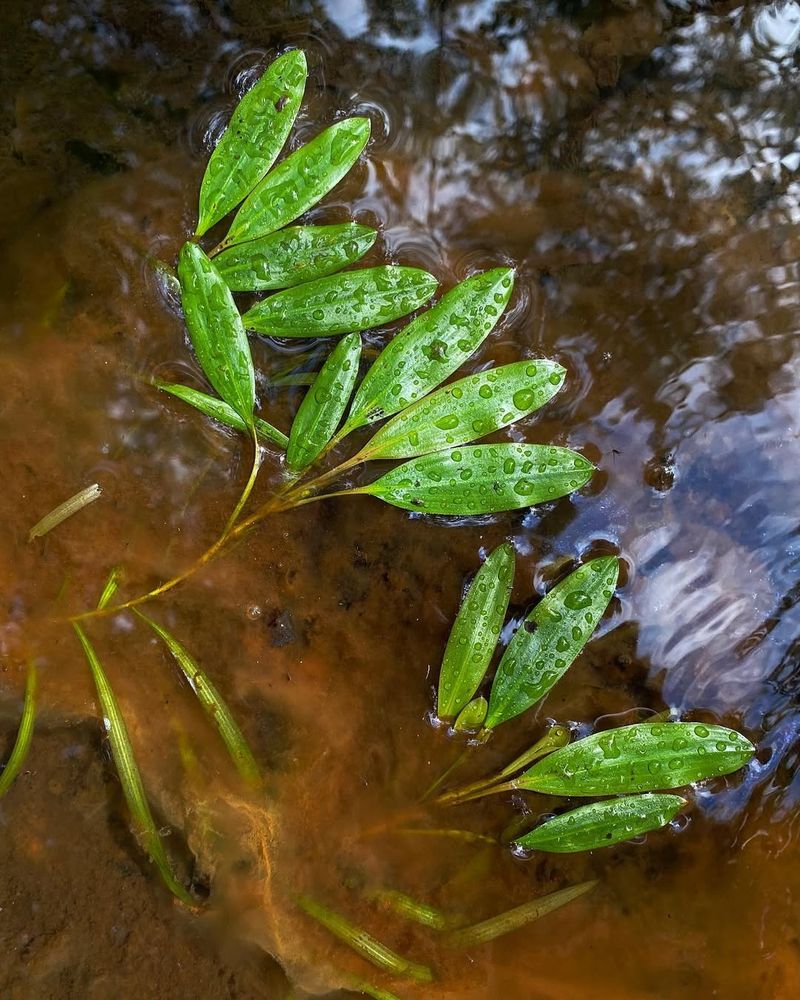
467	410
550	638
219	410
128	770
363	943
324	404
601	824
216	331
64	510
299	181
408	908
475	632
512	920
212	701
640	758
352	300
110	588
369	990
481	479
431	347
292	256
250	144
22	744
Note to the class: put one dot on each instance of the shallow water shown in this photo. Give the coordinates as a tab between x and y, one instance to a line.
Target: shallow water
637	163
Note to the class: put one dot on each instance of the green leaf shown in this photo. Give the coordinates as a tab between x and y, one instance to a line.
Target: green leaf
216	331
482	479
219	410
212	701
475	632
64	510
128	770
550	638
22	744
408	908
639	758
300	181
471	717
363	943
601	824
354	300
324	404
466	410
258	128
292	256
432	347
110	588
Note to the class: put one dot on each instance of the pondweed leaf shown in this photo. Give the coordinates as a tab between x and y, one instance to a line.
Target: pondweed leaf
212	701
110	588
353	300
128	770
408	908
64	510
466	410
475	632
472	715
601	824
219	410
292	256
255	135
363	943
324	404
639	758
482	479
22	743
512	920
550	638
216	331
432	347
299	181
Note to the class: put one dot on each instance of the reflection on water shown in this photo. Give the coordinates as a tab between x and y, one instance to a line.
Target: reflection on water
637	162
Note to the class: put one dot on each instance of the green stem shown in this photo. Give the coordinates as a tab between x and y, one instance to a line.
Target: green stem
24	733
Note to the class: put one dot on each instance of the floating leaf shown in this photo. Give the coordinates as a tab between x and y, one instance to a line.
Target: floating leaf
466	410
22	744
255	135
481	479
408	908
324	404
431	347
292	256
471	716
110	588
639	758
512	920
601	824
550	638
475	632
64	510
299	181
219	410
363	943
212	701
216	331
125	762
354	300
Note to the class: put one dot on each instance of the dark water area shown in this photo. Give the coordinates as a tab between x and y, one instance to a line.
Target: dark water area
637	163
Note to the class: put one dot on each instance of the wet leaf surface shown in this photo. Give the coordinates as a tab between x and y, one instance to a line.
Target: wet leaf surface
219	410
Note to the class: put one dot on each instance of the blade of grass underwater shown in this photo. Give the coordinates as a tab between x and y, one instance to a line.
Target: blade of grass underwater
601	824
219	410
550	638
431	347
110	588
475	632
22	744
481	479
471	717
64	510
299	181
324	404
352	300
130	778
363	943
512	920
466	836
639	758
408	908
466	410
292	256
362	986
216	331
211	700
257	131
